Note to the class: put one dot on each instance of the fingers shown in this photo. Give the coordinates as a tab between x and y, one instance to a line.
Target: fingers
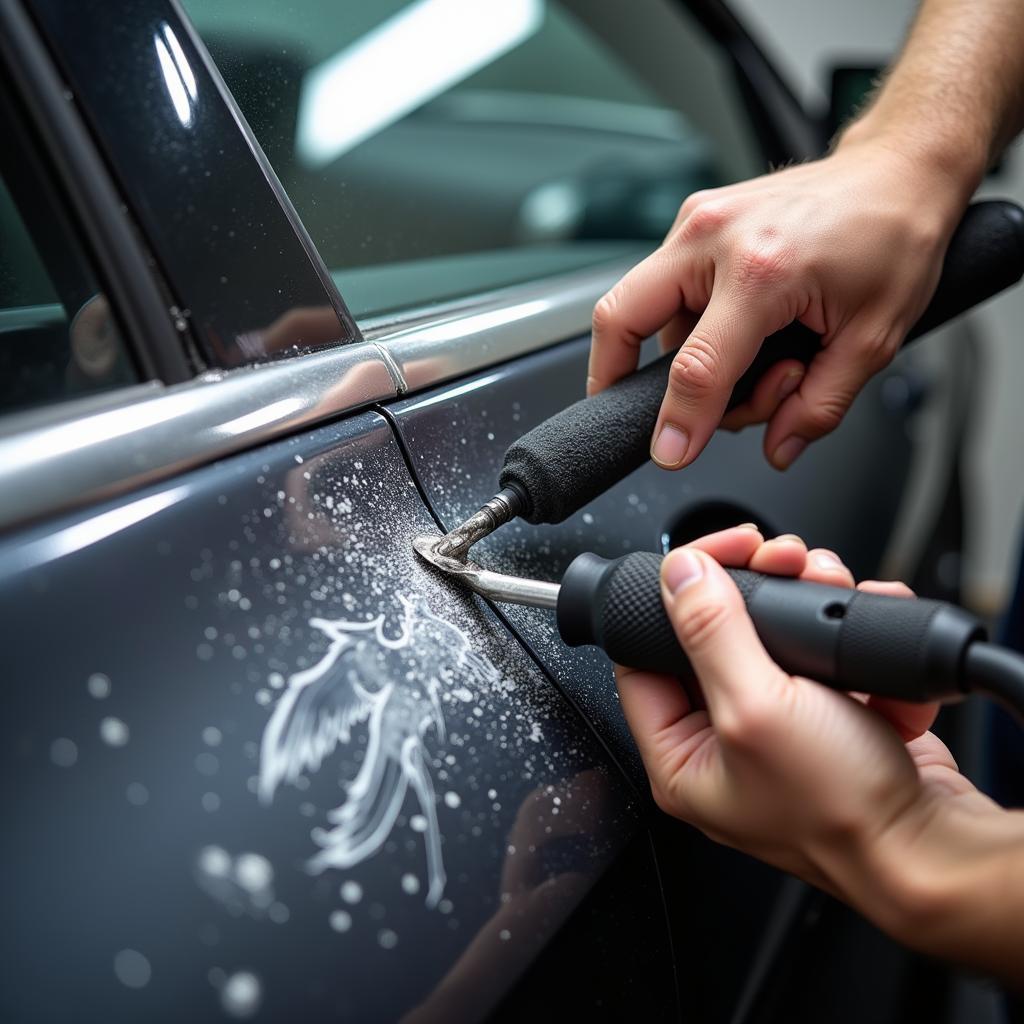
641	303
834	378
734	546
774	387
704	372
910	720
676	331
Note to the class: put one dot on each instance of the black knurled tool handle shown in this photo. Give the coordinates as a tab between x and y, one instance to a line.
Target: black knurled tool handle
577	454
906	648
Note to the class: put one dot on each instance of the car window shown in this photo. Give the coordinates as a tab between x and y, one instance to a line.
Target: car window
58	338
443	147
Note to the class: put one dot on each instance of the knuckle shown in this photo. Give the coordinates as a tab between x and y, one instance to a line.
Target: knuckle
825	415
605	312
694	369
762	265
875	350
701	625
706	217
747	720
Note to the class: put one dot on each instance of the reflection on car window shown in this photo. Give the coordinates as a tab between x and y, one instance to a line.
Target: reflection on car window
441	147
58	338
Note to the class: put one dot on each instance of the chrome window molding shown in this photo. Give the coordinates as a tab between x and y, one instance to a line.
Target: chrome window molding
54	464
435	344
59	458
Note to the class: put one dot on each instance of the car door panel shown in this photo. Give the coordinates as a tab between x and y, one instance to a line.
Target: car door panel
457	435
236	703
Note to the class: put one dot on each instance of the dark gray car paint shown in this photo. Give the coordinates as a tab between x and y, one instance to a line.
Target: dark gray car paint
191	603
843	494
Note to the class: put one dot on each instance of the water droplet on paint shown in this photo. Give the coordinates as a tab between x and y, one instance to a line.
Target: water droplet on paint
63	753
241	994
212	736
113	732
387	938
341	920
98	686
351	892
452	799
253	872
410	884
137	794
132	968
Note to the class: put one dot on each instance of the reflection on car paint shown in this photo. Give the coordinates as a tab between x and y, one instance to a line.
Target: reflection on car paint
396	685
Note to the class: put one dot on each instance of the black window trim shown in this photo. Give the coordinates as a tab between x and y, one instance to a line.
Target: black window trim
124	267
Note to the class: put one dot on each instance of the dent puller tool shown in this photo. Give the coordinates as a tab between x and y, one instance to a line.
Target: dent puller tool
913	649
568	460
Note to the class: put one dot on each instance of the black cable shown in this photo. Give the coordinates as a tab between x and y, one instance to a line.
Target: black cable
996	672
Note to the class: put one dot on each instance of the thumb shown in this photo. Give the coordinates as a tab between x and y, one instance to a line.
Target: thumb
737	676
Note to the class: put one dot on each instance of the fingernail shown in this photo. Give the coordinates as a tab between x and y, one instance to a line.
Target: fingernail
670	446
826	561
680	569
792	537
790	383
788	452
749	526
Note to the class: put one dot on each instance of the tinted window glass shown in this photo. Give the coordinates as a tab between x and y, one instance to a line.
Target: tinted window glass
441	147
58	338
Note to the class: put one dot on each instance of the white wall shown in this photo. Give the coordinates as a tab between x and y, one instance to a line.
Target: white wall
805	39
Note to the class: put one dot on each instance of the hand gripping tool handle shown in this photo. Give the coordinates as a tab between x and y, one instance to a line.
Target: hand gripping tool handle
907	648
568	460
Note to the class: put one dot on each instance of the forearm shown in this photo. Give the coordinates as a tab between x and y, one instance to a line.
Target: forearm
947	879
955	96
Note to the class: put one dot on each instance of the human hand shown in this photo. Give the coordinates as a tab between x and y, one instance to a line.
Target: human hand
844	245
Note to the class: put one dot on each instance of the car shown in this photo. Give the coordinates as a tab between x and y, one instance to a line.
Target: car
279	285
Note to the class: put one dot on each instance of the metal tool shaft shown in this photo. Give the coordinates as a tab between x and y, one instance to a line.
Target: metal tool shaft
493	585
504	506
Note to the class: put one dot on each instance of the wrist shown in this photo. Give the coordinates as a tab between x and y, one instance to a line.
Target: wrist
943	878
944	165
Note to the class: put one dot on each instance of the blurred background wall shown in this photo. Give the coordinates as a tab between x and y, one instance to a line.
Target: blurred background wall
806	40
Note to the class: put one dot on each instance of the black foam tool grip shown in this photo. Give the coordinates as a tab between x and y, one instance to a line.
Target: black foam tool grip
577	454
911	649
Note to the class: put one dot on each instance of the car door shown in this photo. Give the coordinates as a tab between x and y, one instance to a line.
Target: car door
261	764
271	765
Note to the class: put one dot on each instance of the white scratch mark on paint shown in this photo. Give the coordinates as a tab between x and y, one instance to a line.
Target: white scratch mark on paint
396	686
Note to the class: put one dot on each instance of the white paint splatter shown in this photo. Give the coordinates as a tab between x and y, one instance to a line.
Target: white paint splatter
351	892
113	732
452	799
98	686
340	920
242	884
253	872
410	884
396	686
241	995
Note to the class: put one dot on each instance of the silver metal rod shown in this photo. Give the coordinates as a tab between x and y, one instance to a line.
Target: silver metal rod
505	505
493	585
